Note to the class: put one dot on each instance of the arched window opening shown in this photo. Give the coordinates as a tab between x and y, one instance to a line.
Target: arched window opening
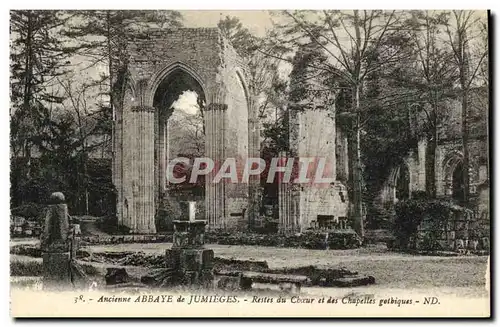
180	101
458	183
403	183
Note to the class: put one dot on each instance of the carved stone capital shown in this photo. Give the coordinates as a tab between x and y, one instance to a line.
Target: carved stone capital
143	109
217	106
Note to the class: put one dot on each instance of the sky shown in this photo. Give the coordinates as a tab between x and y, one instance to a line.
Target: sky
256	21
187	102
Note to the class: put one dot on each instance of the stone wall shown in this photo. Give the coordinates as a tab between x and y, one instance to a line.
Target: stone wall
236	137
451	120
328	201
460	232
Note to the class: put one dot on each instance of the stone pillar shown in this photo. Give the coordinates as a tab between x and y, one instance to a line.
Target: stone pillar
56	245
285	223
117	163
440	180
161	156
411	165
143	170
254	188
421	150
214	149
342	157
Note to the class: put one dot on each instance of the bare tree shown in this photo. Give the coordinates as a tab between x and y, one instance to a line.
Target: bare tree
79	105
432	77
186	133
349	39
463	29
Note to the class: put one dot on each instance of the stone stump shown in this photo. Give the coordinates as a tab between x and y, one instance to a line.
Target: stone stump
56	246
56	270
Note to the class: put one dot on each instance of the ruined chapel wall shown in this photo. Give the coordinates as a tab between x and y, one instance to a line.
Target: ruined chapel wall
236	132
313	135
196	48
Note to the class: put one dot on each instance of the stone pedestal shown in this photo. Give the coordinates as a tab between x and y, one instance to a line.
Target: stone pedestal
56	270
189	234
189	258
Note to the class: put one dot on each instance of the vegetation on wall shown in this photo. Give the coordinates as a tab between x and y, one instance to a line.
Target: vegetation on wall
410	214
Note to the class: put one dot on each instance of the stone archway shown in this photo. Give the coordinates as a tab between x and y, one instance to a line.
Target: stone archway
402	183
203	60
176	79
452	166
398	185
457	183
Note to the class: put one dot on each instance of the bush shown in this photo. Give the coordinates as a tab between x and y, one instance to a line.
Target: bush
380	217
170	211
30	211
47	174
410	214
109	225
27	250
26	268
307	240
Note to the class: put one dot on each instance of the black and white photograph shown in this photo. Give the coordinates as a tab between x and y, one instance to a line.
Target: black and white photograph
250	163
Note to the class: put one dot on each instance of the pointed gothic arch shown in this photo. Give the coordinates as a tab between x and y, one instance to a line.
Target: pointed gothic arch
453	174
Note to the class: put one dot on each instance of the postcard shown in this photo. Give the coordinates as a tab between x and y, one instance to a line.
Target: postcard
317	163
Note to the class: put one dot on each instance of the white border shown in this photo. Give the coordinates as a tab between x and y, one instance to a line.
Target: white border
191	5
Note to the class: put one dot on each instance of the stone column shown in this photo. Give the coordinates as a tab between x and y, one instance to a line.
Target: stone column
214	149
254	188
421	150
285	224
342	155
117	163
143	170
439	178
160	155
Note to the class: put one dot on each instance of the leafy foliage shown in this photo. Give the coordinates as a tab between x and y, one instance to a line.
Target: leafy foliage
101	37
410	214
241	39
59	115
170	211
48	176
308	86
37	56
388	137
